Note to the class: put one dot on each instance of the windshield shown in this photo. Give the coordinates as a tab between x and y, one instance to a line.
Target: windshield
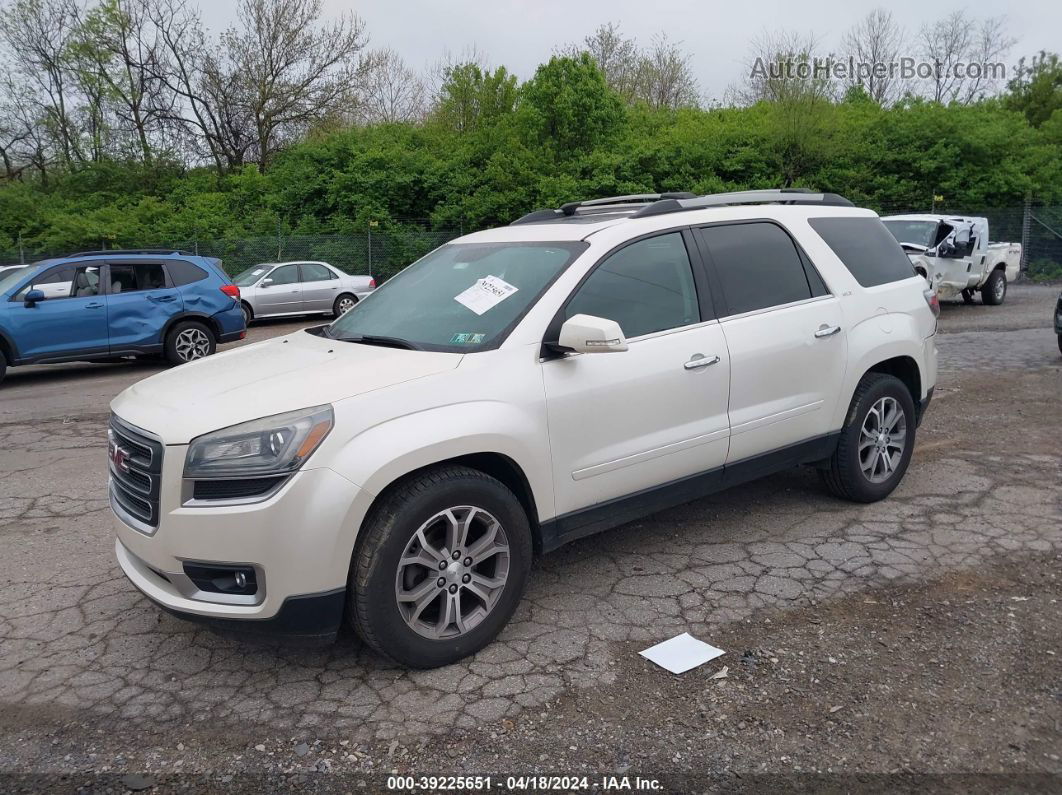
251	275
8	279
921	233
460	297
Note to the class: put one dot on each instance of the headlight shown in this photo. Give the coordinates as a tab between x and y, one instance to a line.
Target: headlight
273	445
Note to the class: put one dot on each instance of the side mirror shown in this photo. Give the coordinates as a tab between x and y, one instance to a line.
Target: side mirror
589	334
946	248
33	297
265	282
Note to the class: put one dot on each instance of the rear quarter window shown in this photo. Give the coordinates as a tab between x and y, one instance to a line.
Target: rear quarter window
183	272
866	248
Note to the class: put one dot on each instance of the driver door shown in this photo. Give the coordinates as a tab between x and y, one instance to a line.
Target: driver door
71	320
621	423
280	292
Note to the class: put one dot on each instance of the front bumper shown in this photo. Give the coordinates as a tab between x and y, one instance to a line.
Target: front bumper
299	541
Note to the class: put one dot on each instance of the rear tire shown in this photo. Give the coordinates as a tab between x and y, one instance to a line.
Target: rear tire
188	341
1059	350
248	313
875	445
397	604
343	304
3	363
995	290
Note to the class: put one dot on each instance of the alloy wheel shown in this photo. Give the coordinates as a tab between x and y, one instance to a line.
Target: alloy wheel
192	344
882	439
452	572
345	305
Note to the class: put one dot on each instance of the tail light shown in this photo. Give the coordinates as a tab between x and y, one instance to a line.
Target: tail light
231	290
372	283
933	301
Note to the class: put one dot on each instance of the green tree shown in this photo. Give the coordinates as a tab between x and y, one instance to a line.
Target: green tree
1036	88
568	103
472	97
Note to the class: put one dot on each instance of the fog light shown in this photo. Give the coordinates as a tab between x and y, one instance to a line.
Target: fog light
212	578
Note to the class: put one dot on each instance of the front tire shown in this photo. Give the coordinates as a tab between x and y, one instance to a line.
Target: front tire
188	341
876	442
967	296
440	567
995	290
248	313
3	363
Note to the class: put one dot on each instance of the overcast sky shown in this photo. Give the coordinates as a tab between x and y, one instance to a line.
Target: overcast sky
717	35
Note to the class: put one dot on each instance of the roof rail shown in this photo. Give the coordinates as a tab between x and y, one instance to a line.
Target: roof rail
106	252
603	205
777	196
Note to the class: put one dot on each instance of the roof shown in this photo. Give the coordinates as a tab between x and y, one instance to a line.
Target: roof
931	217
583	220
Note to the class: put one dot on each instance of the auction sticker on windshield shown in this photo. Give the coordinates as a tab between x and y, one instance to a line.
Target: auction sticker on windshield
485	294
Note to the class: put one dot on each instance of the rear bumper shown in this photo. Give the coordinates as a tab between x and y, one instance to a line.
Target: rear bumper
231	323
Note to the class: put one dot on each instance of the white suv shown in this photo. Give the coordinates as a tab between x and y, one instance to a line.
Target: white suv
514	390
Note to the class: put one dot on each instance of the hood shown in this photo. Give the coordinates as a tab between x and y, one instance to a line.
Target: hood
282	374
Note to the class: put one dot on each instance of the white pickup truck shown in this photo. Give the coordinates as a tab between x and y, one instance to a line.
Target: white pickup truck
955	256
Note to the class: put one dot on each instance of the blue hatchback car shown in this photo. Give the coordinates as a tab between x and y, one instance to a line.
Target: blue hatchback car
100	305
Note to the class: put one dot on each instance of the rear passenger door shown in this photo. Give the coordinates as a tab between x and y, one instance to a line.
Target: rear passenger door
784	333
320	287
140	302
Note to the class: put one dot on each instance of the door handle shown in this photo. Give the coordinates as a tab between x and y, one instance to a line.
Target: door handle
699	361
826	331
160	299
93	306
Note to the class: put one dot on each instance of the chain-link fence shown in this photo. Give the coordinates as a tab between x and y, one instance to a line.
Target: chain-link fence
379	252
383	251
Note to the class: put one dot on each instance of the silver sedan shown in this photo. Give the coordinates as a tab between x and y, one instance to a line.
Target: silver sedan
277	289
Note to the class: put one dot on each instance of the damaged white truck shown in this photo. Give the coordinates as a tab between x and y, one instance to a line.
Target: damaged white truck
954	254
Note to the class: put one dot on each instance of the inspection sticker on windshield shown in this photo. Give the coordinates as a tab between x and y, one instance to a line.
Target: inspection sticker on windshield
485	294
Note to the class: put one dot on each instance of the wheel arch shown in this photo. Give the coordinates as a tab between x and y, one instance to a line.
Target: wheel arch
206	320
8	348
905	368
498	466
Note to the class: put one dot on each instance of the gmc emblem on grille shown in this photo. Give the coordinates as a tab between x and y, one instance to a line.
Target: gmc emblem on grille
119	457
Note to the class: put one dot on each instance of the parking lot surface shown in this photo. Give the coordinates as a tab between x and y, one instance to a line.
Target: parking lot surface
933	608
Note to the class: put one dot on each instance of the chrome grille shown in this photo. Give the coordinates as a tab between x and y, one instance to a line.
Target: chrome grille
135	463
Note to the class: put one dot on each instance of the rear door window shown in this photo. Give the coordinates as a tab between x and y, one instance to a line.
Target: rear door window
758	266
315	272
131	278
866	248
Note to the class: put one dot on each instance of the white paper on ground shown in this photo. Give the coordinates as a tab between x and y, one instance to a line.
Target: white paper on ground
485	294
681	653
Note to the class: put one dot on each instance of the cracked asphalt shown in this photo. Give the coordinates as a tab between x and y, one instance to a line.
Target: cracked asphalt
94	680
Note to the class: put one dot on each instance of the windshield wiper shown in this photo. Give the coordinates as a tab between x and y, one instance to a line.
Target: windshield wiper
384	342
